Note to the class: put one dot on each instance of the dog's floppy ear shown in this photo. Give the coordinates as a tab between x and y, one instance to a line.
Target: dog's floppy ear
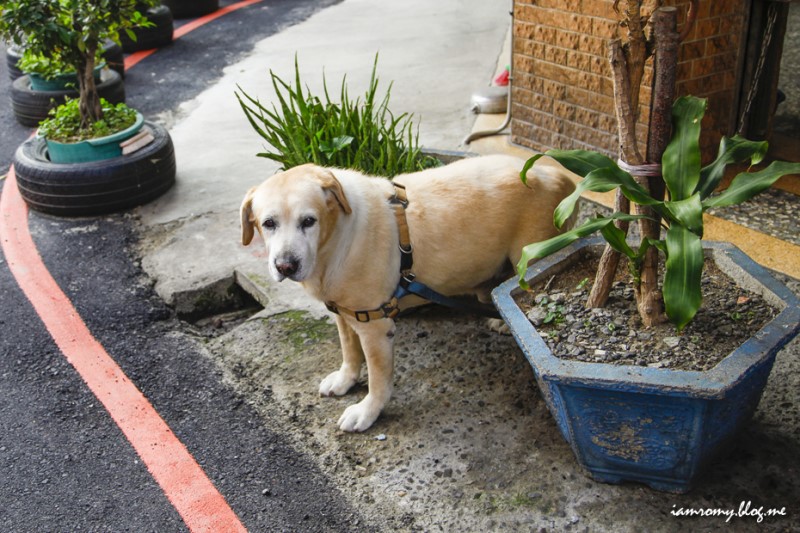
246	213
332	185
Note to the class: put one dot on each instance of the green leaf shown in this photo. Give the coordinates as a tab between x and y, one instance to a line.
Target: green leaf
600	174
615	237
731	150
336	145
687	213
523	174
541	249
680	163
683	268
581	162
748	184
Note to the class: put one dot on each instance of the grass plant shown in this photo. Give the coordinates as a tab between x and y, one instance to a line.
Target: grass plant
361	134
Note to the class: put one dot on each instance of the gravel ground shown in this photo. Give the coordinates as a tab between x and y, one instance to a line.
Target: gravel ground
774	212
467	444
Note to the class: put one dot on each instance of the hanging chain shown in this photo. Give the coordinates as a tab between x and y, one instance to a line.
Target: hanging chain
762	59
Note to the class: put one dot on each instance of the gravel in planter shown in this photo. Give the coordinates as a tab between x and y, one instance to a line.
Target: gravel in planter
615	334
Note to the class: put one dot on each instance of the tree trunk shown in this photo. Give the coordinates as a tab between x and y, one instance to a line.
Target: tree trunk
90	108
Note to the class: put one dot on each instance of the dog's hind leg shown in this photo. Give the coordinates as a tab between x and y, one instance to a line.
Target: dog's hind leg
339	382
377	340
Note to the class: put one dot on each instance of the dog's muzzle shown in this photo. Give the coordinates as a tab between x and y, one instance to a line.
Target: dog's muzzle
287	266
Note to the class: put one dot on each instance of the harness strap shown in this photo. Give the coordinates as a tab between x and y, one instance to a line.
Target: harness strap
390	309
399	202
407	285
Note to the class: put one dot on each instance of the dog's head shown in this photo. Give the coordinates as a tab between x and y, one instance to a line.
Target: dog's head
295	212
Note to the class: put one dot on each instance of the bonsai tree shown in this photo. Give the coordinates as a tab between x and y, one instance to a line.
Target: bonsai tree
70	32
691	192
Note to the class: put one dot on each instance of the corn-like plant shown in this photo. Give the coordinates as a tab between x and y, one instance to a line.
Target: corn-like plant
690	195
359	134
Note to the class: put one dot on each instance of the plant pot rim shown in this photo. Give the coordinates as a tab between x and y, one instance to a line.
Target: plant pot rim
61	80
71	73
93	149
712	383
106	139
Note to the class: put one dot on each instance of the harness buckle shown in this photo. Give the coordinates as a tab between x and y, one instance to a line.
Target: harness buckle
391	308
399	196
361	316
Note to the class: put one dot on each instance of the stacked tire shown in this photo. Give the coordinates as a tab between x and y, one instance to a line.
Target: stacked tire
99	187
156	36
184	9
31	106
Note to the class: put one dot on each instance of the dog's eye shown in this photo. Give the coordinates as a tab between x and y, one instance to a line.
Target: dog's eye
308	222
269	224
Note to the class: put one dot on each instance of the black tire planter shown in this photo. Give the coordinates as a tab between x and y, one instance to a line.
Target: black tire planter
98	187
114	57
153	36
112	53
184	9
31	107
13	55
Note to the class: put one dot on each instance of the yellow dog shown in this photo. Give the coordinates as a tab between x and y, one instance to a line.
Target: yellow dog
337	233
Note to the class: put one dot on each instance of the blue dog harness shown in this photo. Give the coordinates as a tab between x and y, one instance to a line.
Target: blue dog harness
408	286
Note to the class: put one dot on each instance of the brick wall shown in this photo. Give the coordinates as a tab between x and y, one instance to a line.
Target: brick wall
562	94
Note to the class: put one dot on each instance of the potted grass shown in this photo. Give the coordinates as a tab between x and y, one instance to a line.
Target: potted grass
359	133
87	172
45	82
647	422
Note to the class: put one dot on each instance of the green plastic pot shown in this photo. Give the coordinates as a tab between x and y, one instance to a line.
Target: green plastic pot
92	149
67	80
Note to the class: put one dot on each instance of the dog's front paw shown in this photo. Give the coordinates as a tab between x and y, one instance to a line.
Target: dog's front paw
337	383
359	417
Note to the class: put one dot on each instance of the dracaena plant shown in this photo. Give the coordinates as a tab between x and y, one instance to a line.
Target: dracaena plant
691	192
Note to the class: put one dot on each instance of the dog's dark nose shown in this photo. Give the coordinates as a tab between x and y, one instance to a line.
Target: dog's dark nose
287	266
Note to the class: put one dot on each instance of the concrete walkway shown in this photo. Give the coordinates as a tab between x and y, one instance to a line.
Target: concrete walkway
434	55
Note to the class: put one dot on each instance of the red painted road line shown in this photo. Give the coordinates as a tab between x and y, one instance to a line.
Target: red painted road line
187	487
135	57
184	482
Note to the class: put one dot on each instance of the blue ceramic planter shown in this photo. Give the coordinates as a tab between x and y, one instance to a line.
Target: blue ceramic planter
652	425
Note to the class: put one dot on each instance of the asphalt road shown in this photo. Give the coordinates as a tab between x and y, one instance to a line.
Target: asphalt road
64	463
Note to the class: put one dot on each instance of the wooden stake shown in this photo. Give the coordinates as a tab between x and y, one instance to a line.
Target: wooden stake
665	34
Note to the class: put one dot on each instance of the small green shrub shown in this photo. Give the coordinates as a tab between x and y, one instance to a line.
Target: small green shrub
49	67
358	134
64	122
